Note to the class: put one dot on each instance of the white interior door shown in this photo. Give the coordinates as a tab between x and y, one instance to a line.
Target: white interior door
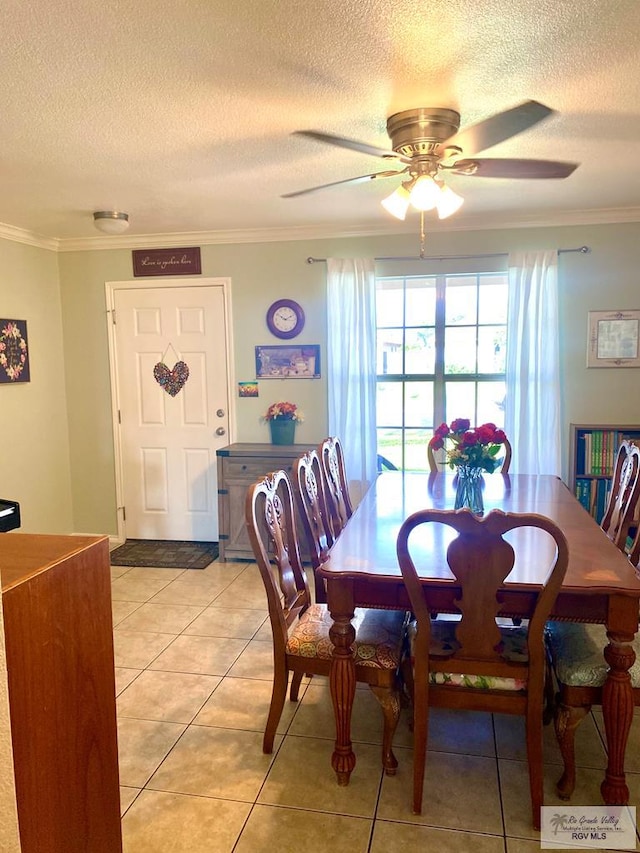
168	443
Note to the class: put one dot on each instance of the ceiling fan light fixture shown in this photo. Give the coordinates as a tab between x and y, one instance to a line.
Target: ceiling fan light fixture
425	193
111	221
449	202
397	203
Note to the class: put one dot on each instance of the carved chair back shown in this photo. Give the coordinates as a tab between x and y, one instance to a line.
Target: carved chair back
336	483
271	525
302	643
310	495
624	495
472	665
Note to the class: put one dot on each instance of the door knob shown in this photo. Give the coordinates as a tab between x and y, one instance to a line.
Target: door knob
220	431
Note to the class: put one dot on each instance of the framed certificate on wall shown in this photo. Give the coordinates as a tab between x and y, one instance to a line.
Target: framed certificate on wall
613	339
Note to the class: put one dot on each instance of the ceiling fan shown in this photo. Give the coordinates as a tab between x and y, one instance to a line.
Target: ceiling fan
428	142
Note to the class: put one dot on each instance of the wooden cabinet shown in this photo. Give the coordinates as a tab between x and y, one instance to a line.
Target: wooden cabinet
240	465
592	454
56	596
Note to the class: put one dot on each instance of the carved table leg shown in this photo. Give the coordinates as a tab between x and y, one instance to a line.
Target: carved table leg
617	710
342	682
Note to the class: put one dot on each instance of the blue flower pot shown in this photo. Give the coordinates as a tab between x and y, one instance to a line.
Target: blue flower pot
283	431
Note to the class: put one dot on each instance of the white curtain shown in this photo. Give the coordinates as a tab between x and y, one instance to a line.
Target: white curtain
532	406
351	365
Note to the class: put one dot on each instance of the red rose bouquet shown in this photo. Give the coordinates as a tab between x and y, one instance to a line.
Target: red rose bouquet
475	448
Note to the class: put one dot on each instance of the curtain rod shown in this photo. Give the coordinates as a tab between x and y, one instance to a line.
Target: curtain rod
585	250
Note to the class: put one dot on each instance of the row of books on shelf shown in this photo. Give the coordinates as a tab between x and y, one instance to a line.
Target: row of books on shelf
597	450
593	495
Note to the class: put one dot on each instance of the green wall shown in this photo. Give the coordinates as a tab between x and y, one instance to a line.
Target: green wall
262	272
34	457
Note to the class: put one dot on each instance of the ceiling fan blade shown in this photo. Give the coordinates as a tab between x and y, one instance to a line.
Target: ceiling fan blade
506	168
352	144
358	180
499	127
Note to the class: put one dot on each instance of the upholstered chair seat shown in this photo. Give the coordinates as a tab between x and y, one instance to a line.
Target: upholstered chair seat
576	652
378	642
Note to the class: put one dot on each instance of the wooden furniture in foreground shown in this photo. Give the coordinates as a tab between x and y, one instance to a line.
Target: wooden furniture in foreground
240	465
56	596
592	452
600	586
300	629
337	485
474	663
433	465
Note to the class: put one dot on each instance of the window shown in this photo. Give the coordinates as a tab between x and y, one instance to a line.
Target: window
441	344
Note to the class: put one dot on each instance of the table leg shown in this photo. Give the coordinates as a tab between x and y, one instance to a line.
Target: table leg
617	711
342	681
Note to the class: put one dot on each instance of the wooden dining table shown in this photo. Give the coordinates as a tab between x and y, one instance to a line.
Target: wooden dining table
600	586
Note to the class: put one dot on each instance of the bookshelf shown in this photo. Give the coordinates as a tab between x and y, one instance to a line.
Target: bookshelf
592	454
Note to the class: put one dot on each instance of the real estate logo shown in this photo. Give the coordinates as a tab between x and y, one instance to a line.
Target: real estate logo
588	828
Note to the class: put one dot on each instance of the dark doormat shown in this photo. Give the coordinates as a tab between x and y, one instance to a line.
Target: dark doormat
164	554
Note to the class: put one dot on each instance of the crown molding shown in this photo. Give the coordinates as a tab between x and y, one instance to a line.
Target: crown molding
541	219
484	222
20	235
203	238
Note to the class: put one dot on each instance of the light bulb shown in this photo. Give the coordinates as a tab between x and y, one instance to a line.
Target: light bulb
448	202
111	221
425	193
397	203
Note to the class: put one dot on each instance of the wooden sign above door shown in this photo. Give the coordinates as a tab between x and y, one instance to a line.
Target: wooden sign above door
166	261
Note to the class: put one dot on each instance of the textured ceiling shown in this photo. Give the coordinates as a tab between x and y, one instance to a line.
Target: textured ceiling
181	113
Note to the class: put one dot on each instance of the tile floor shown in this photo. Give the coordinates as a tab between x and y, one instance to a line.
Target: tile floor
193	671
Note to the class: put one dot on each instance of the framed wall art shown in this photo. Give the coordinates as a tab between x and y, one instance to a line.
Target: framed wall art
14	352
613	339
248	389
288	362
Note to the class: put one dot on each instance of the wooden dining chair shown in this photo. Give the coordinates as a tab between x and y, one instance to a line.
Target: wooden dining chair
300	629
575	650
433	465
336	483
311	500
475	663
624	494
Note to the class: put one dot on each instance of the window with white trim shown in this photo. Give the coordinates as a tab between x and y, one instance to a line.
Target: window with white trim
441	342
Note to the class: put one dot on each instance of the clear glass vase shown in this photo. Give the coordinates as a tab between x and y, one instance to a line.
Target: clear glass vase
469	489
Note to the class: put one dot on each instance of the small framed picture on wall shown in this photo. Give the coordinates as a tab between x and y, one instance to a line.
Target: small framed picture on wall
14	352
613	339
